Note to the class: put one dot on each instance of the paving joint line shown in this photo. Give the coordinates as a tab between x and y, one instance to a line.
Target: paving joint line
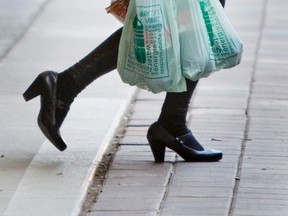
248	117
167	186
171	175
173	168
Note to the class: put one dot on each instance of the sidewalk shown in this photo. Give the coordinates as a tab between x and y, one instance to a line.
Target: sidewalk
242	112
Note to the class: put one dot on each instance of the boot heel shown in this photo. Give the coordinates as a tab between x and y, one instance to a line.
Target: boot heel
33	90
158	151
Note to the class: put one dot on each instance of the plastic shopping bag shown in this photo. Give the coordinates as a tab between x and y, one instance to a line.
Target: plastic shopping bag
149	52
208	41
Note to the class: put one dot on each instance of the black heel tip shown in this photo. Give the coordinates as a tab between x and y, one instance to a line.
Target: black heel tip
25	98
159	161
62	148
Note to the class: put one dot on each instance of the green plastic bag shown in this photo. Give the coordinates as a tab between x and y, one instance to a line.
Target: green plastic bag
208	41
149	52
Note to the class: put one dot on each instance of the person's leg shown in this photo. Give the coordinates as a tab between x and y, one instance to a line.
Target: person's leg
174	112
58	91
175	109
72	81
171	131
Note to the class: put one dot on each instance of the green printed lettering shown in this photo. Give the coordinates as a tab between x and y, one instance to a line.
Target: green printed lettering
139	41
